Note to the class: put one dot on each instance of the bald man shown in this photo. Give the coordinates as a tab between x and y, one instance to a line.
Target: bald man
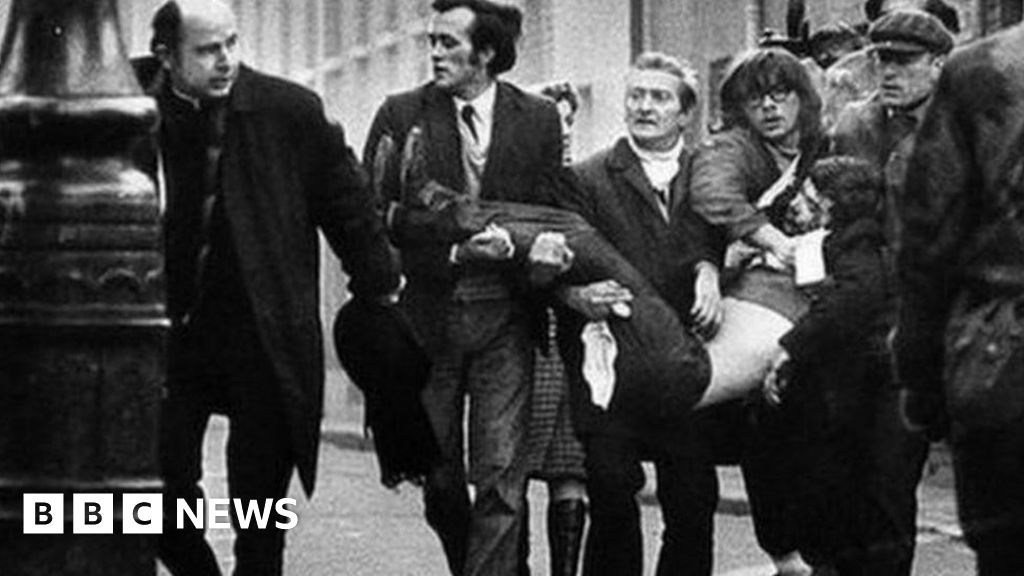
253	169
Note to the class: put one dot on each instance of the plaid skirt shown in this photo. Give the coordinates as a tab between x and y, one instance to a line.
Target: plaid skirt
555	451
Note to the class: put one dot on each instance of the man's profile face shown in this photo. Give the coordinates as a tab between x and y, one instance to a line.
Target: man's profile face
205	64
654	114
906	79
456	65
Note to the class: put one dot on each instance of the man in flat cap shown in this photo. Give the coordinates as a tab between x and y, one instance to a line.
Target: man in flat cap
910	48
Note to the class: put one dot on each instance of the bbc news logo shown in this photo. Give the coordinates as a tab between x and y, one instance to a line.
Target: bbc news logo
143	513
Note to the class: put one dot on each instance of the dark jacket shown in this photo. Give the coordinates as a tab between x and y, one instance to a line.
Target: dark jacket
285	174
730	172
869	130
615	197
524	157
842	335
968	144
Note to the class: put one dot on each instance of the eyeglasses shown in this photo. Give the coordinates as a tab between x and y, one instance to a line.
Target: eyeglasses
777	95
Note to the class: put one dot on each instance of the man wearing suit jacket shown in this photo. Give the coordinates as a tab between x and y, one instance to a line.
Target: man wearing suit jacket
489	140
253	169
635	195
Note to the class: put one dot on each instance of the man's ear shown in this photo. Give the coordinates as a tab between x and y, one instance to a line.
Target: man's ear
164	55
486	57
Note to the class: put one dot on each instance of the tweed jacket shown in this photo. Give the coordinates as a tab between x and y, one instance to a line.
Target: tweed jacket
285	174
968	144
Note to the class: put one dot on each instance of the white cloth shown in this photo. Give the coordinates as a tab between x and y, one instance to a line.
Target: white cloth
599	353
660	167
742	350
809	267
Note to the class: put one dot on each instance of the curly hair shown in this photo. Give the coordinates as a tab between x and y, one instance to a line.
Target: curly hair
854	185
760	71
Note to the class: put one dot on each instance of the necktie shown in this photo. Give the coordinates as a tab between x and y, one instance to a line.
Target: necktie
467	117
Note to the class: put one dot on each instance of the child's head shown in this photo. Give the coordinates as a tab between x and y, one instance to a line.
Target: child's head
849	188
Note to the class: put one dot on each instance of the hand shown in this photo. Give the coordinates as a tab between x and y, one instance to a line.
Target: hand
493	243
549	258
707	310
599	300
775	383
778	245
924	413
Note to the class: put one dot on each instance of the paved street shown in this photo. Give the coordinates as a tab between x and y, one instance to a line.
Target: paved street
355	527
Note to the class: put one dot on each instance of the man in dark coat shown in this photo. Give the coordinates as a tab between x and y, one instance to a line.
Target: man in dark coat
910	47
253	169
489	140
960	250
634	194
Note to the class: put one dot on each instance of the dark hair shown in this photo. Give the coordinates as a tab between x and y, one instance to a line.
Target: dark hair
760	71
166	27
680	69
854	185
495	26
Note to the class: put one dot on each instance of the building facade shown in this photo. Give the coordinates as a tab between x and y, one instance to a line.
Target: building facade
355	52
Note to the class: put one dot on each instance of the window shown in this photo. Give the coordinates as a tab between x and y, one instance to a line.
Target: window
998	14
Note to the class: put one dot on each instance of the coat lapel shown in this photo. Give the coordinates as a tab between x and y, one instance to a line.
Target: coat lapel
445	149
502	130
624	162
681	183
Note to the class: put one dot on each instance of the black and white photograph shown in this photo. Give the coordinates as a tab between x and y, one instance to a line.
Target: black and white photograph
512	287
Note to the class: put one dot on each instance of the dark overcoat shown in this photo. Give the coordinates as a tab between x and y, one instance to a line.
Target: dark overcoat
613	194
285	174
969	143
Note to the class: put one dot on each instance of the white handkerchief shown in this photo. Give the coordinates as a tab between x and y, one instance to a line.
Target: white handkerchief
599	352
810	257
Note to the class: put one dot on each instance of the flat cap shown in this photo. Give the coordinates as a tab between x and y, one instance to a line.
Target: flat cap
910	31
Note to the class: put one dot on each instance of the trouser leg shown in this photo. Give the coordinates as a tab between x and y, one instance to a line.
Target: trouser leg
499	382
183	419
895	465
445	493
989	467
688	494
768	473
260	463
614	477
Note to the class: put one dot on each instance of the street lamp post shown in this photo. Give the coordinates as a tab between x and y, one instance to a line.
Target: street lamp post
82	315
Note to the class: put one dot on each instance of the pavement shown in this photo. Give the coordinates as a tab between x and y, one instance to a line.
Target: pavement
936	499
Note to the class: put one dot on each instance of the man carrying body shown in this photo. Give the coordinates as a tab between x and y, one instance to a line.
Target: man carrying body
634	194
253	169
486	139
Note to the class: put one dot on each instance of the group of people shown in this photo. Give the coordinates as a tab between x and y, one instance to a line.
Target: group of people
788	249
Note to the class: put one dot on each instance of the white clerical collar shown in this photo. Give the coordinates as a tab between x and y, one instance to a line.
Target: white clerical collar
646	155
